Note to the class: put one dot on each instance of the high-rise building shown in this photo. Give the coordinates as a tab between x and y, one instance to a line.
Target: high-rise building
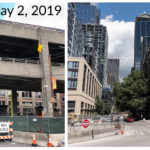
141	39
112	71
91	41
75	34
87	13
112	78
96	49
147	64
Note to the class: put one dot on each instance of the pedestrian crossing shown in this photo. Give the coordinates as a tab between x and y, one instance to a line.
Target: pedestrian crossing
137	133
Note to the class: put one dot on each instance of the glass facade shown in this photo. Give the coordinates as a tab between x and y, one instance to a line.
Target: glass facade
75	35
141	39
87	13
84	26
112	71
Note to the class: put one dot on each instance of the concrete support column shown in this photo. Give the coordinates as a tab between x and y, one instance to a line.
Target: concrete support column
14	96
46	80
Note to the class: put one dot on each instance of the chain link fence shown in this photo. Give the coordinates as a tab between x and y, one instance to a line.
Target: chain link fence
36	124
98	123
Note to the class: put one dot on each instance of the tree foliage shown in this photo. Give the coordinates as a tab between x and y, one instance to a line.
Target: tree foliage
101	107
132	94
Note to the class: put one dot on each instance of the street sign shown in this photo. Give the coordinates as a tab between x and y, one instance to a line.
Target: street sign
4	127
85	123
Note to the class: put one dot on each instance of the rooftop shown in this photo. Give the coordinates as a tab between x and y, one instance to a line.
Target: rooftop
144	15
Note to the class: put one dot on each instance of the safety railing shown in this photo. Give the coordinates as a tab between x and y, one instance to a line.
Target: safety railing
18	60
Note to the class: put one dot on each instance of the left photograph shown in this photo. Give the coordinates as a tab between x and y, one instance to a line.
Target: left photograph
32	75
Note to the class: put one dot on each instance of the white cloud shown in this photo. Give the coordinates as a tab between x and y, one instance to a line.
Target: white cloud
121	42
109	18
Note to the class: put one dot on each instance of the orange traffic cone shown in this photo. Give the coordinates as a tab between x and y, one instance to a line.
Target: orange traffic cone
49	142
34	143
122	132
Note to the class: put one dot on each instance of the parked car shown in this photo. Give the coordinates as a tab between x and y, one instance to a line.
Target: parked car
130	119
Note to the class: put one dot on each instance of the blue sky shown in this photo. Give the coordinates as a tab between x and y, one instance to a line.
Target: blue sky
6	5
120	21
123	11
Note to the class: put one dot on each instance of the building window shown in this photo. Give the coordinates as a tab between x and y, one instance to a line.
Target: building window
27	103
9	93
90	84
87	82
2	92
73	65
36	104
72	84
84	76
2	102
26	94
82	106
71	106
72	75
37	94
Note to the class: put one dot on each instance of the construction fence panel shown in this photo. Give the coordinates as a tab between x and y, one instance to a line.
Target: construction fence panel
99	122
36	124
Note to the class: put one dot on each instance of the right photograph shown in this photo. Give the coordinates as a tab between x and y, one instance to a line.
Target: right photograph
108	74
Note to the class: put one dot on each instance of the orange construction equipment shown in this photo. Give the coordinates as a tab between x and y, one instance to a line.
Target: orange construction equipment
49	142
34	143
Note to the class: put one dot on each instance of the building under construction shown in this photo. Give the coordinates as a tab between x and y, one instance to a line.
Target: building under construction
23	68
96	49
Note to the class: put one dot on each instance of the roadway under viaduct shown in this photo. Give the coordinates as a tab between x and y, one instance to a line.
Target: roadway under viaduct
23	68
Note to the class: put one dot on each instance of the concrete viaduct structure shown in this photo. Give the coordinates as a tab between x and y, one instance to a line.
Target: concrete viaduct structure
23	68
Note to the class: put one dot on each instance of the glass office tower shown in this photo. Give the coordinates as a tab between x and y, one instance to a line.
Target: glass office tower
87	13
113	71
141	39
95	38
75	34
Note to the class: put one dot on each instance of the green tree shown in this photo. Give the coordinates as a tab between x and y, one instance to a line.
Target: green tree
101	107
132	94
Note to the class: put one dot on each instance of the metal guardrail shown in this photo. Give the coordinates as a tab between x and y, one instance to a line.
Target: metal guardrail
17	60
27	61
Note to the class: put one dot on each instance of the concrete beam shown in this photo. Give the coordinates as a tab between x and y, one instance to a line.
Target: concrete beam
21	69
29	70
30	32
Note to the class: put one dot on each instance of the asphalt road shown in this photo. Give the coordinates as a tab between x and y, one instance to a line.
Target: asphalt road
137	134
